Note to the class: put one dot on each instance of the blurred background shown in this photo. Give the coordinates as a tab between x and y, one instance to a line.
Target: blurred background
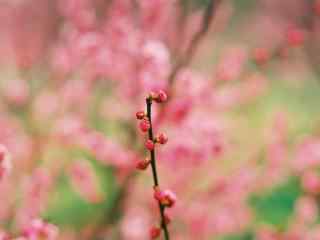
243	122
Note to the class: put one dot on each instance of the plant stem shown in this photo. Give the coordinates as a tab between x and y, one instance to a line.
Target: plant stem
154	170
187	57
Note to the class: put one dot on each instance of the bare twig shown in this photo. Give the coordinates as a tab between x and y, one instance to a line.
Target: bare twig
154	171
195	41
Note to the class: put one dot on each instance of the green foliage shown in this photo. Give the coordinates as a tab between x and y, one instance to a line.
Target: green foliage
239	4
244	5
67	208
301	104
276	206
195	3
243	236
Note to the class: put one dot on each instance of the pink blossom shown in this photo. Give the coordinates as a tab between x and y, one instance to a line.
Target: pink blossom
38	229
306	209
307	154
232	64
267	234
134	224
5	162
85	182
311	182
35	189
165	197
17	92
4	236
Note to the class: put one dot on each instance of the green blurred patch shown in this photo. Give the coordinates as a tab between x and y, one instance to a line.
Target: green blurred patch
243	236
241	5
276	206
299	101
67	208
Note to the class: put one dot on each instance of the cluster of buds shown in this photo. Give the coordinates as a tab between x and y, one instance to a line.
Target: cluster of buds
166	198
145	126
161	139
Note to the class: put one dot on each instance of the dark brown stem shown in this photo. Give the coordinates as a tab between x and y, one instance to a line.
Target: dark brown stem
154	170
194	43
311	46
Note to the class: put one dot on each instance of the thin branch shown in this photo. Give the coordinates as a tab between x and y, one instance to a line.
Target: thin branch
207	20
154	170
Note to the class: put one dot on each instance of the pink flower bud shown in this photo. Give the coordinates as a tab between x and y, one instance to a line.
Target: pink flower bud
149	145
166	198
155	232
144	125
295	37
161	97
162	138
261	56
140	115
142	165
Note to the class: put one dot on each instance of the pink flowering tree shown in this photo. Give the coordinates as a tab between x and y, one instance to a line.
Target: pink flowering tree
234	85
